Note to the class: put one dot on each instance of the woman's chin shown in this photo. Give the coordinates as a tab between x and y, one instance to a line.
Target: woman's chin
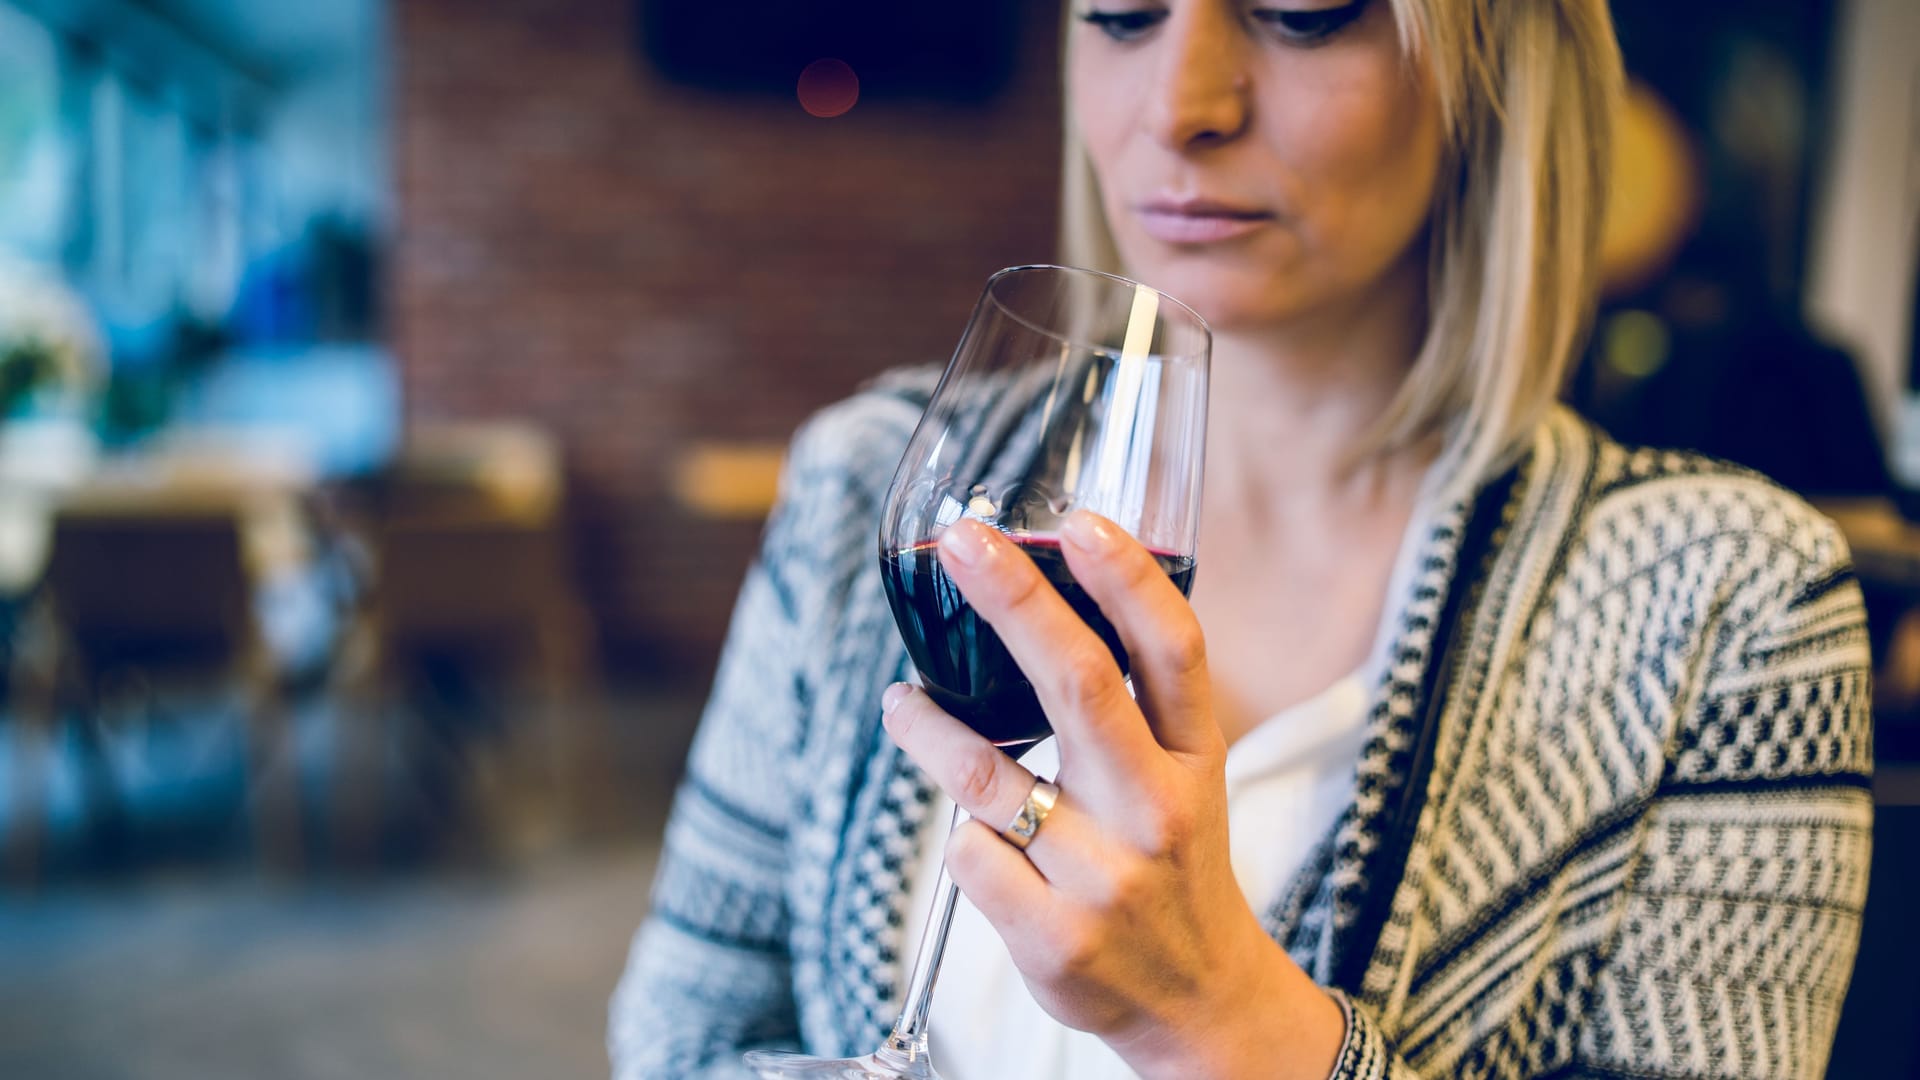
1233	311
1231	300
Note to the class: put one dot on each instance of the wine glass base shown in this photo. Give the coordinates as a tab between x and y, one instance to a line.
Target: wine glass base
782	1065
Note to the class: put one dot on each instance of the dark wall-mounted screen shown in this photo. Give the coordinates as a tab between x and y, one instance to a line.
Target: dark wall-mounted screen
962	51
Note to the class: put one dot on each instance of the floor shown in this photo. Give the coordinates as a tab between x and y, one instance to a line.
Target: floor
455	956
489	975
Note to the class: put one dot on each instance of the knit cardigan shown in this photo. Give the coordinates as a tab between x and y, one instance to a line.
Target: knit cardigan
1629	838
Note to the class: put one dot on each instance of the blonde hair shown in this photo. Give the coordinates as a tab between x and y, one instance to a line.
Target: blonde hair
1527	94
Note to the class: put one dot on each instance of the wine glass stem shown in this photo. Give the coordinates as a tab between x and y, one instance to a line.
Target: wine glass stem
908	1041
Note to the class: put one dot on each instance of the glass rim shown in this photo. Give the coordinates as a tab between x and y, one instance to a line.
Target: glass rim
1206	331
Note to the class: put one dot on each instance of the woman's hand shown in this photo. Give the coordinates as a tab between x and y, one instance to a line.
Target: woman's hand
1123	915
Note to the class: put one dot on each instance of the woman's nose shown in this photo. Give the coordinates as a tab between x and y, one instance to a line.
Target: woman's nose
1202	94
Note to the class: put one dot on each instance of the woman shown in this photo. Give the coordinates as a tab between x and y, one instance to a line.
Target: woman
1485	747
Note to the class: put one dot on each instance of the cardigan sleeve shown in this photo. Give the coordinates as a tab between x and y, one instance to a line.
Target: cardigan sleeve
709	973
1737	927
1365	1053
1742	915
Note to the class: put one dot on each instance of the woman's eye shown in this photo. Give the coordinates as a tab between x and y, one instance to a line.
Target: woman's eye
1310	27
1123	25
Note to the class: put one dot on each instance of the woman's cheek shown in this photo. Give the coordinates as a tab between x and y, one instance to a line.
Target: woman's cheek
1366	169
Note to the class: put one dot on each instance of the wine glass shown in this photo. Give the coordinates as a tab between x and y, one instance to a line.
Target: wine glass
1071	389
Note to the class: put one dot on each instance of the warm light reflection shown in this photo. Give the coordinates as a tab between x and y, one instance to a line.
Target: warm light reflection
828	88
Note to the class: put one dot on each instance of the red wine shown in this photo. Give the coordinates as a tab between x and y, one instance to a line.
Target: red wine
967	671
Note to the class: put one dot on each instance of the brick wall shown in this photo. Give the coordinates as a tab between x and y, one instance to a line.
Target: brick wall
637	265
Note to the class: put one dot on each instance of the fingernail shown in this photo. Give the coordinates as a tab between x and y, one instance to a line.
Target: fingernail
965	541
893	696
1088	532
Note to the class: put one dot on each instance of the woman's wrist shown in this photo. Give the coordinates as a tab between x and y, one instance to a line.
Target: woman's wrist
1264	1018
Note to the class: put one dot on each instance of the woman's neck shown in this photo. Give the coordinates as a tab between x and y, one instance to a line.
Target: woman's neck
1290	406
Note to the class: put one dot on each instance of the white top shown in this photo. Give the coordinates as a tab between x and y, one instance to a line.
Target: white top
1287	781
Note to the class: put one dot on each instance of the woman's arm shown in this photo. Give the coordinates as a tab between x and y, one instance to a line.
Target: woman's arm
709	973
1737	928
1738	932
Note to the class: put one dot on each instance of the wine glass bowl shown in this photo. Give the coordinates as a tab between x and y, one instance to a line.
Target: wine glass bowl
1070	390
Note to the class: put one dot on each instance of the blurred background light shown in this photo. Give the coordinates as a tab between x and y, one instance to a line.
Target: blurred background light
828	88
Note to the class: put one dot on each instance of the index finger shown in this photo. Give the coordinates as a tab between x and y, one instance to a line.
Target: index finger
1072	671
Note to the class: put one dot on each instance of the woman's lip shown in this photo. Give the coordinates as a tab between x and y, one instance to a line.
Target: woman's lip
1191	226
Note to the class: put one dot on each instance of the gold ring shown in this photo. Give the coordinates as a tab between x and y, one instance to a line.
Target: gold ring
1033	813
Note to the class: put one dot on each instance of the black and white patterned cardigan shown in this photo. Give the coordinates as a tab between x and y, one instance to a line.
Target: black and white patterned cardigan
1635	840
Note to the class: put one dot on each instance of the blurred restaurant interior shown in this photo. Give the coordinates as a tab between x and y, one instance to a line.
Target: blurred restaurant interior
391	392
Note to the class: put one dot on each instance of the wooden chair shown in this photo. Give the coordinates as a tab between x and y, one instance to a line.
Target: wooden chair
162	591
470	561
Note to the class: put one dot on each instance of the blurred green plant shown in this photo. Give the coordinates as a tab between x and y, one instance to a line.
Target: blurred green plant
27	365
140	398
51	353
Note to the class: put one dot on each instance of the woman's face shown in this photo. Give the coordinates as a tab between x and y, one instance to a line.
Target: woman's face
1262	160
